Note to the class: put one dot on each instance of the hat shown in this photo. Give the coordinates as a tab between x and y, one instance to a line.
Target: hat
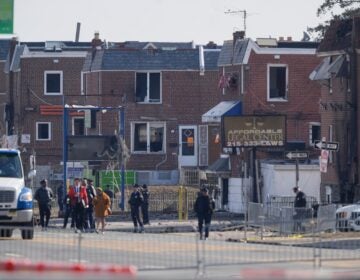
136	186
99	189
144	186
43	181
204	189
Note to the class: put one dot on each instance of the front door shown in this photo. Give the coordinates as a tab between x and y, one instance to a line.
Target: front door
188	146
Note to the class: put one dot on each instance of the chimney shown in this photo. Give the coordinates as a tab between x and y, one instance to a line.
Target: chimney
96	42
211	45
238	35
281	38
13	43
289	38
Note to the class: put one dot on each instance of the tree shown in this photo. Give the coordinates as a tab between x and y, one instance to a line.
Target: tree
350	8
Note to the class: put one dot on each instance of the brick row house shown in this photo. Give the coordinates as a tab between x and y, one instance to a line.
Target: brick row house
338	76
164	89
174	96
273	79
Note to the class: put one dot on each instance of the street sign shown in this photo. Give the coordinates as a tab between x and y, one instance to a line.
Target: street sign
297	155
330	146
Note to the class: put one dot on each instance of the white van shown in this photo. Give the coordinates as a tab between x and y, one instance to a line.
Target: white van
16	200
347	216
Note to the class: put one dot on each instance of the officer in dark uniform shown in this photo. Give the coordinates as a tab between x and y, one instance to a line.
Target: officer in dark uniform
145	205
204	207
135	202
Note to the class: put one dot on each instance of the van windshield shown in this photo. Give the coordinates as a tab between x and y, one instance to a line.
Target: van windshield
10	165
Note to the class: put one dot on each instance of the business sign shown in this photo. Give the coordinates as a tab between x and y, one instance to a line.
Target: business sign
6	16
254	131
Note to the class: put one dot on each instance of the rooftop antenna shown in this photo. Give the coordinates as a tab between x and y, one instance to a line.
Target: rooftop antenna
243	12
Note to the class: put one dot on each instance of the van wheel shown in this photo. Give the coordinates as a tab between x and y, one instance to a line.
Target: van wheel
27	234
6	232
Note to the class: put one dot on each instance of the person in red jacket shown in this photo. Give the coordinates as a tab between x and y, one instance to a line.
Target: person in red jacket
79	202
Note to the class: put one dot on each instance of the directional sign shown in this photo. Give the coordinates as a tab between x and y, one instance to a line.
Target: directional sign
330	146
297	155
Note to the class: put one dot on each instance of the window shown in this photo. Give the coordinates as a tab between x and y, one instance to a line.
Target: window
43	131
148	137
148	87
277	82
314	133
53	83
78	126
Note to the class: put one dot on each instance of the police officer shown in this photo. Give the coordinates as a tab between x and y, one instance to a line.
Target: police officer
145	204
44	195
135	202
204	207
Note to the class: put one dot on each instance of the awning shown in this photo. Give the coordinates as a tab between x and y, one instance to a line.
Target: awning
221	165
224	108
325	70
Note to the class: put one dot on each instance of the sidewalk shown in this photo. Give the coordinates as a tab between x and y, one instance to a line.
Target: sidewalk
119	223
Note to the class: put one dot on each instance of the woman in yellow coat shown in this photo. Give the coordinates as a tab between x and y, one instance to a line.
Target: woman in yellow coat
102	208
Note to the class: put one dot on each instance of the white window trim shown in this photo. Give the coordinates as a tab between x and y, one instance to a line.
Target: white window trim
268	83
311	124
73	125
146	101
37	131
132	129
61	82
331	132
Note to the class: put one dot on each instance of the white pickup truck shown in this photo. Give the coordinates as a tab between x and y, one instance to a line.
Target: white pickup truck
16	200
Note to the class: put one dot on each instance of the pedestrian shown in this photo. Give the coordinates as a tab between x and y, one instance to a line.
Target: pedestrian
79	199
89	212
68	207
204	207
102	209
110	194
145	204
299	209
44	196
60	191
135	202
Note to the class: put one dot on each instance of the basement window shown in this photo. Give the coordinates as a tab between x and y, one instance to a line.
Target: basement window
277	82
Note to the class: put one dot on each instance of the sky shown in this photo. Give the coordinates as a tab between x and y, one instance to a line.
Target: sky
200	21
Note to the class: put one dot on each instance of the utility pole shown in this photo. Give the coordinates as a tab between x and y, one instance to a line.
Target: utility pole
243	12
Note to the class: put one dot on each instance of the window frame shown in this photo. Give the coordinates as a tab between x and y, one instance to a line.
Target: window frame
311	125
73	126
46	81
149	125
278	99
148	87
37	131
